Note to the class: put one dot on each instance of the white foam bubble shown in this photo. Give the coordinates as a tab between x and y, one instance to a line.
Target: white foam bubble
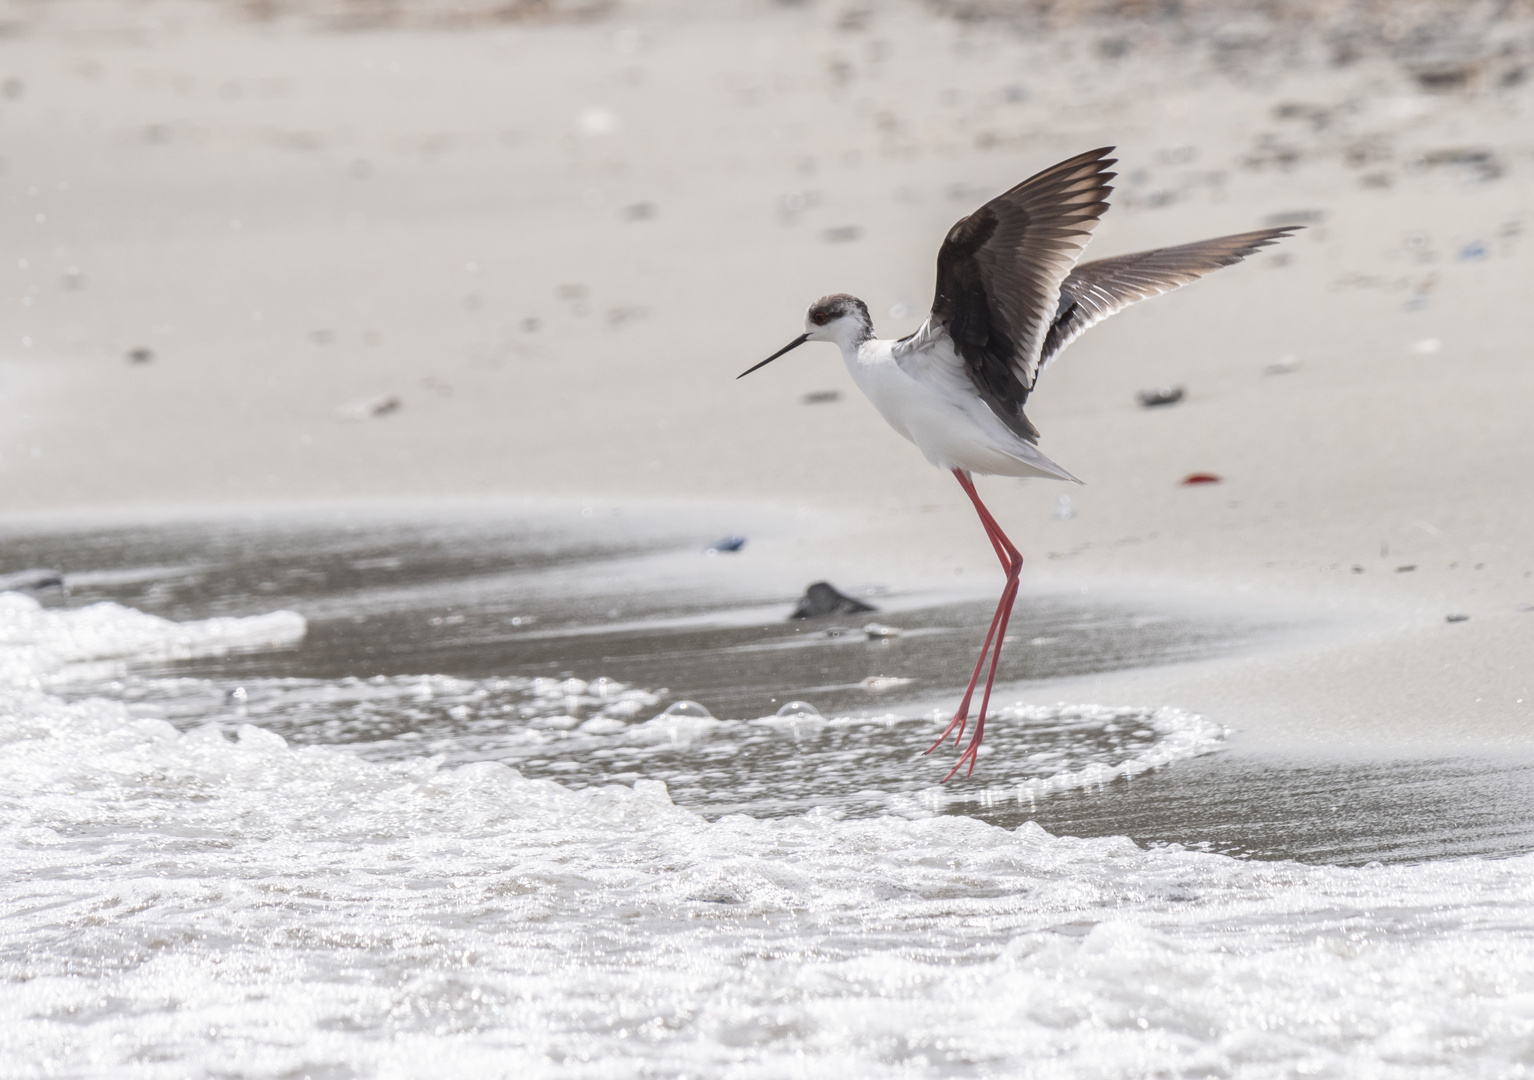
1182	735
38	644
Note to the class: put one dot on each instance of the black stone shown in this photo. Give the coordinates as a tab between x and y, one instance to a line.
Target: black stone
1160	395
31	580
822	599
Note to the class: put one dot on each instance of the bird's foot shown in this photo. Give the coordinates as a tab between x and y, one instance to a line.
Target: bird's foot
960	720
971	754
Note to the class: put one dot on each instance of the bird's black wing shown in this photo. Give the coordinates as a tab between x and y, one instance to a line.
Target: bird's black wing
1095	290
999	273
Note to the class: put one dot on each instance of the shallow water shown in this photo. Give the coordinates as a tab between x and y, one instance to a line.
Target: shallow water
289	799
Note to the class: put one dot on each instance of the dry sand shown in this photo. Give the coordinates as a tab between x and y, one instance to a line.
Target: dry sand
541	249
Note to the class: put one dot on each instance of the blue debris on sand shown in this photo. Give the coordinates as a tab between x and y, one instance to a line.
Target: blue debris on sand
725	545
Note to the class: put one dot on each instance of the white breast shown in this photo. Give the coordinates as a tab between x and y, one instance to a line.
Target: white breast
927	398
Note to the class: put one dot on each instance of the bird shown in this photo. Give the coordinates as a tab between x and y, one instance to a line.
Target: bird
1011	295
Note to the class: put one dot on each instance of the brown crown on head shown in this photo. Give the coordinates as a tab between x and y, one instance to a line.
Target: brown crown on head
829	308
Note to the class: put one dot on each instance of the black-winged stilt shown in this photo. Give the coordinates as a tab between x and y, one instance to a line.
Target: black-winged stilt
1009	298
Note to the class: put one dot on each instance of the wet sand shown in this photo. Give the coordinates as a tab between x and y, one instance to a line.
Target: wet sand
422	638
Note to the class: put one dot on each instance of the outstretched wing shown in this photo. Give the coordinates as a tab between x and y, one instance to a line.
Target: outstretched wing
1095	290
999	273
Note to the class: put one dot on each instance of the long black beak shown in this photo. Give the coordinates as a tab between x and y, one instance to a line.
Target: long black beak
794	344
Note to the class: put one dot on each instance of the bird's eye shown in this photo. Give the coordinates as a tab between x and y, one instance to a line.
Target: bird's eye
819	318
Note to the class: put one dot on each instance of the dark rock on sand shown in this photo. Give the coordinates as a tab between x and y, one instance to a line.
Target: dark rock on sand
822	599
31	580
1161	395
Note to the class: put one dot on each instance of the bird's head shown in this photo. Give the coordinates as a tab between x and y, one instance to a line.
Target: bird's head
839	317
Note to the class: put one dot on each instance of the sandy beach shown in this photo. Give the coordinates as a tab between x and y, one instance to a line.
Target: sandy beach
411	263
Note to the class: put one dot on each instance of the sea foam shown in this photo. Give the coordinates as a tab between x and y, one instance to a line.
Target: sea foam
200	900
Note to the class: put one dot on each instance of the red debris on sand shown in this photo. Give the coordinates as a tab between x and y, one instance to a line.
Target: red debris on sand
1200	478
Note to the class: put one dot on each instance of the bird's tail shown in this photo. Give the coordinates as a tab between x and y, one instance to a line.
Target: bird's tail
1037	463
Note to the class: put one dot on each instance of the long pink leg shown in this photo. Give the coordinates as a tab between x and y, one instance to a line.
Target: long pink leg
1012	562
961	714
1014	565
971	752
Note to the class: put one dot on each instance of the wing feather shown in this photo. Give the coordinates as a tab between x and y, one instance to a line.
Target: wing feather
1000	269
1095	290
1010	295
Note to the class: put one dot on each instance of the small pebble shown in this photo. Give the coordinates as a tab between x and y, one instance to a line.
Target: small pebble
1160	395
1456	618
597	121
875	631
31	580
140	356
382	405
1443	79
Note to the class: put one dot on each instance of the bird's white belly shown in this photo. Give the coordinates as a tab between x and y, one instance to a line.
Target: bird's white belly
952	428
